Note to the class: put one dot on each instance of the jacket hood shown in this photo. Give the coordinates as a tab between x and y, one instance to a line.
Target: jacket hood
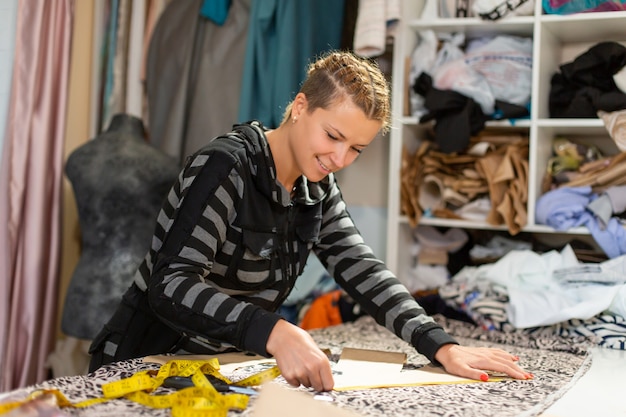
264	170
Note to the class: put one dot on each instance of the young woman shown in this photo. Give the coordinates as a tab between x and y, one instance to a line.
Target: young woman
236	230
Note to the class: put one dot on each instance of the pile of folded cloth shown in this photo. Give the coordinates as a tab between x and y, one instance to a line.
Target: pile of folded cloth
575	165
488	184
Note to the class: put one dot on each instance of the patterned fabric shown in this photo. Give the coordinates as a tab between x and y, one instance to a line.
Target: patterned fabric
556	363
486	305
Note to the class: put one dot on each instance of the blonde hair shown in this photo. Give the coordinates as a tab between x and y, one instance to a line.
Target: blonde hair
340	74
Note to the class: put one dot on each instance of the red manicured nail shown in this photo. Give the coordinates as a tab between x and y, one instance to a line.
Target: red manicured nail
484	377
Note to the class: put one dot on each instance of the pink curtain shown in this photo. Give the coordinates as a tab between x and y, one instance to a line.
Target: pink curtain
30	191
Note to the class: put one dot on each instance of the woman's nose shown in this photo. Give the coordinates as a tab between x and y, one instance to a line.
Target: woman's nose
340	157
338	161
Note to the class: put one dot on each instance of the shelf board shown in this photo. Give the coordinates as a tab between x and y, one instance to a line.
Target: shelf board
574	126
512	123
508	123
585	27
565	125
463	224
522	26
468	224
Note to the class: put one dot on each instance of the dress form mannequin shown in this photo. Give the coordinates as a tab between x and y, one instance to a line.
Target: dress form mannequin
120	182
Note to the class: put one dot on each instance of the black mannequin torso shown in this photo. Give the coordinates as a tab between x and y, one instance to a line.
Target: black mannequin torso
119	181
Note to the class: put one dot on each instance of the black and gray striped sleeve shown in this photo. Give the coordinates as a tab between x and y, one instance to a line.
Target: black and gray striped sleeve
179	292
366	278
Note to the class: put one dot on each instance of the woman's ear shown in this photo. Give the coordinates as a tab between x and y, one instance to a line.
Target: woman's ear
299	105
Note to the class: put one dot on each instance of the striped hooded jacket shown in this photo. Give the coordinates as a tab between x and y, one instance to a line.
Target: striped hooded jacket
230	242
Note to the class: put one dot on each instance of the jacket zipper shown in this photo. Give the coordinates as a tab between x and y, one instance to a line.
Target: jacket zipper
287	254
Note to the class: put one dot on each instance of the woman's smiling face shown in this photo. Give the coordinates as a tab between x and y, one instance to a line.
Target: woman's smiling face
327	140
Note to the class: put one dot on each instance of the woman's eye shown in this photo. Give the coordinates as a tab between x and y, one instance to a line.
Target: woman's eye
335	138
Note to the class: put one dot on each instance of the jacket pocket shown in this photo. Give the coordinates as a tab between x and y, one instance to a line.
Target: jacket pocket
253	264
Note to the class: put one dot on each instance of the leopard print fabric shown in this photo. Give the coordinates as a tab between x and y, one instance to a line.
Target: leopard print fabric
556	363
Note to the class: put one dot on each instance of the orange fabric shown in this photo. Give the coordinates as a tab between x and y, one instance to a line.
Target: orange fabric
324	312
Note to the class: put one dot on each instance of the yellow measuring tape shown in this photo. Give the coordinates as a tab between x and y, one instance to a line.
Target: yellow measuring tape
201	400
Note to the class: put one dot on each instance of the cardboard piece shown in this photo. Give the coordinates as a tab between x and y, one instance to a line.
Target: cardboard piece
360	369
277	401
368	355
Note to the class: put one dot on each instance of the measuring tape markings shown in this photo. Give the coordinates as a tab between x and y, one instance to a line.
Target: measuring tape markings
259	378
201	400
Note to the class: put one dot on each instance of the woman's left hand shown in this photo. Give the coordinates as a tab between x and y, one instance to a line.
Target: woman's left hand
472	362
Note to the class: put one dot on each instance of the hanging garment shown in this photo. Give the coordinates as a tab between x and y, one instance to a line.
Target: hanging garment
215	10
193	75
31	183
375	25
283	38
116	101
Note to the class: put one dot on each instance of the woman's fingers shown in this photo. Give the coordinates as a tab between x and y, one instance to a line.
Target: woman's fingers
300	360
471	362
316	375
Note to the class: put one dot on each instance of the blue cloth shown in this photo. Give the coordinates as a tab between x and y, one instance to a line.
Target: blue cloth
215	10
566	207
108	62
284	36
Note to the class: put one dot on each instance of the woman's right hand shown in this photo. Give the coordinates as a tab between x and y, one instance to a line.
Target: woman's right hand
299	359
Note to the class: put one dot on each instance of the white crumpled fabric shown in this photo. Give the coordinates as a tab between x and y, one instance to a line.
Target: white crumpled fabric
553	287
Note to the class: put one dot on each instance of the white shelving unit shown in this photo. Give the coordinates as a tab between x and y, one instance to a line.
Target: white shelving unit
556	40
